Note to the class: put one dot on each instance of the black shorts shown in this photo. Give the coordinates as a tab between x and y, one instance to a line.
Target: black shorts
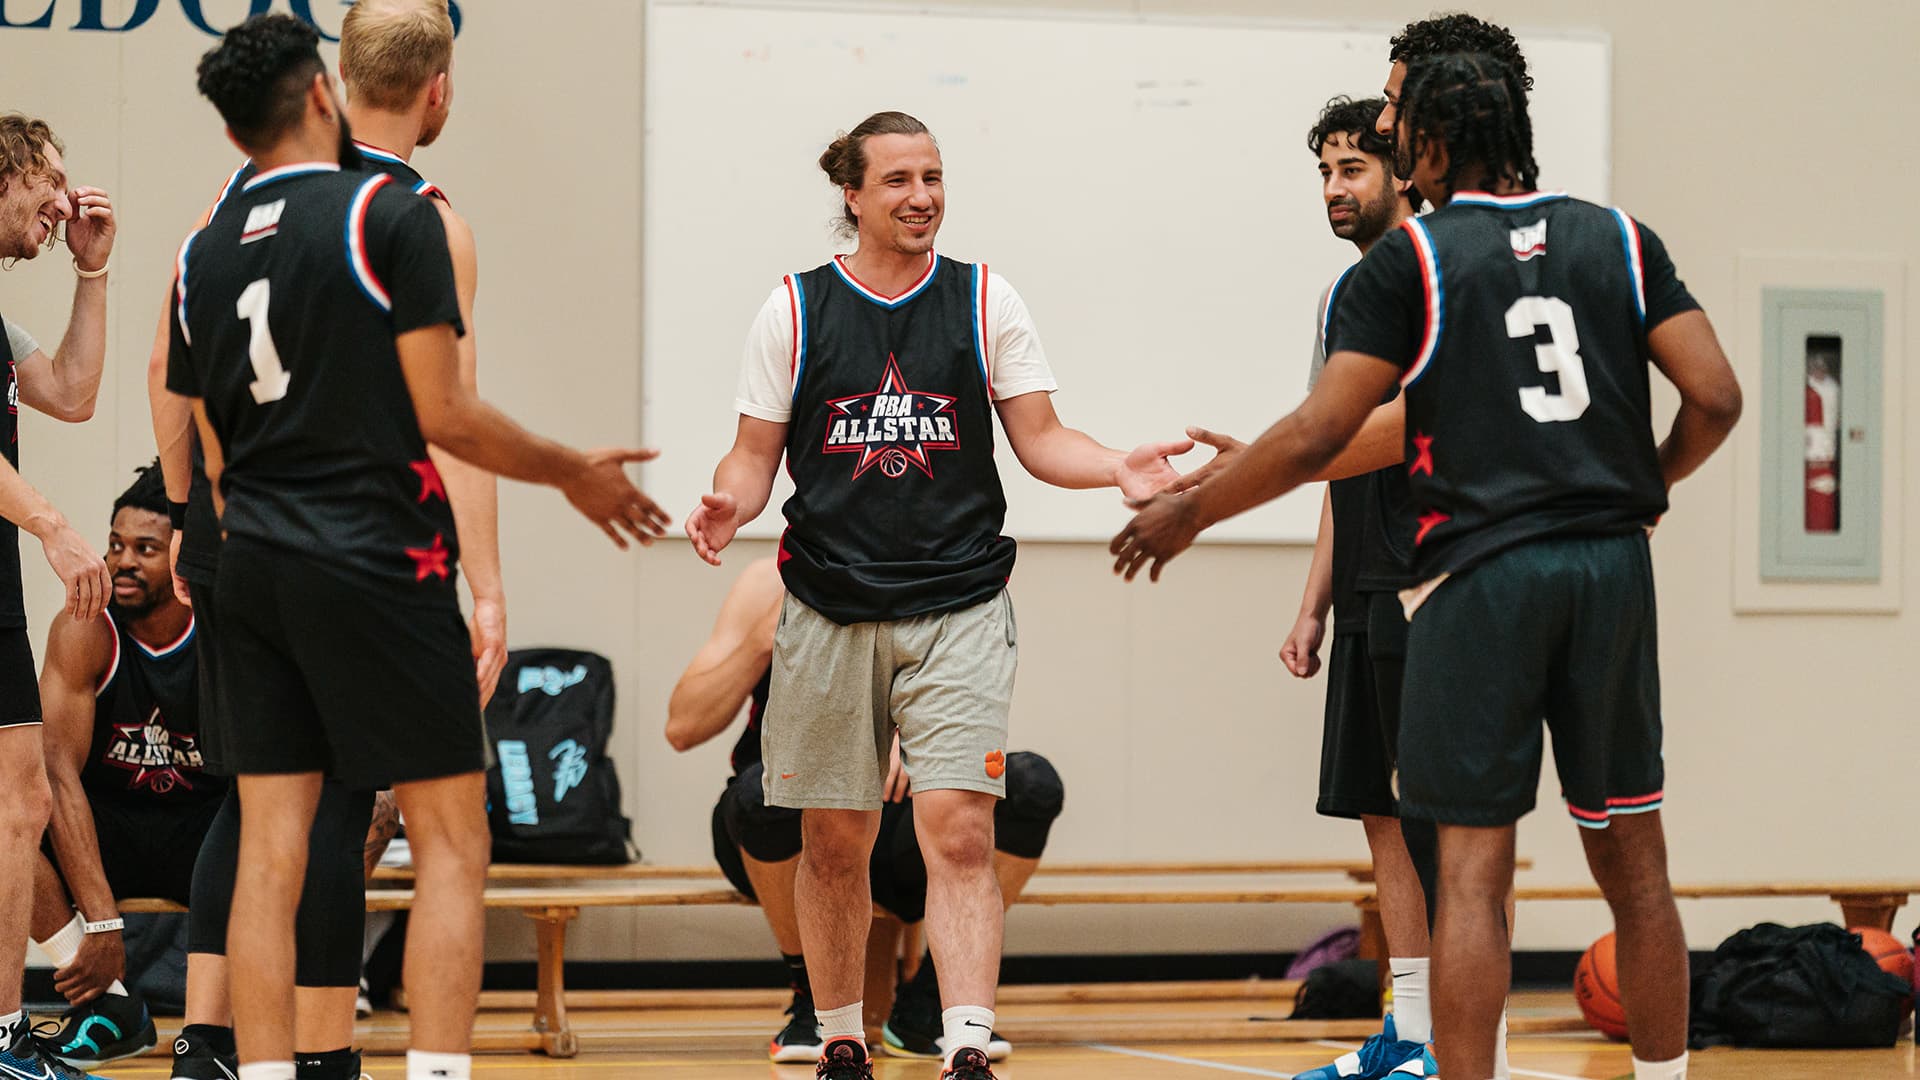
19	680
147	850
1561	628
213	718
1356	756
318	673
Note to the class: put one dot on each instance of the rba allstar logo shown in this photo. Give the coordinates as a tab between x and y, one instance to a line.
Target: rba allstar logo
114	16
893	427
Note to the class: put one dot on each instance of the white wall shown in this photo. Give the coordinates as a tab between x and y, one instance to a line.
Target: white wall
1737	128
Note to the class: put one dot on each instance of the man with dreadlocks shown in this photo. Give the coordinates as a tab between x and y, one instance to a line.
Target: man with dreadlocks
1520	324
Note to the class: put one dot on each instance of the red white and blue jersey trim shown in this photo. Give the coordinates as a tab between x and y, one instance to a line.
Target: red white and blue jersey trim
1326	309
1433	289
180	285
288	172
226	189
1634	804
1505	202
933	264
980	333
1636	265
357	243
797	300
388	157
113	668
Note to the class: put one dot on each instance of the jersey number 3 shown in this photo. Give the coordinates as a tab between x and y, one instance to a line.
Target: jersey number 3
1560	355
270	377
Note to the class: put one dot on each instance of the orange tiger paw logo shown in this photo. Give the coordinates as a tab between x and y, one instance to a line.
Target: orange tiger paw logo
996	764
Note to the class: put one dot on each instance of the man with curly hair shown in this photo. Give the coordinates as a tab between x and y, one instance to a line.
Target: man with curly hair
36	200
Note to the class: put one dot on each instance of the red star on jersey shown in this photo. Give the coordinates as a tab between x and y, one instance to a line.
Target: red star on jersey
1427	522
430	561
430	485
894	426
1422	455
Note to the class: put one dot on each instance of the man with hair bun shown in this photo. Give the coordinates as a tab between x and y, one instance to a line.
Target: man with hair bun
876	377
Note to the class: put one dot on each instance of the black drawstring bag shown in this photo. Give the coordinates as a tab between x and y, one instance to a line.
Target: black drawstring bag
1800	986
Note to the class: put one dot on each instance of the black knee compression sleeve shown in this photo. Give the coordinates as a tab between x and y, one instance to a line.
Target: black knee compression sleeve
330	926
1423	846
1035	797
767	833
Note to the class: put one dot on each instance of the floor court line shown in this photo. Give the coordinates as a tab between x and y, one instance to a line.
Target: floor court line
1245	1070
1514	1069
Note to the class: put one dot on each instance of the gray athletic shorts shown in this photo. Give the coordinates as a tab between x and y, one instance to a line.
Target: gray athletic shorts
838	692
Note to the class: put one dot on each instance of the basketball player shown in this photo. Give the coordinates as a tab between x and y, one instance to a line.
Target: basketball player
874	377
1359	557
130	790
36	200
336	576
395	63
1521	324
758	845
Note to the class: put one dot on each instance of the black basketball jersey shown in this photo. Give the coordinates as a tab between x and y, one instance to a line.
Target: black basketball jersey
1349	498
897	507
287	307
146	726
1520	325
746	749
13	605
200	547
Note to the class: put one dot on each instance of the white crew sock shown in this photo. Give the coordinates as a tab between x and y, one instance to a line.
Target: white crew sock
1412	1003
1501	1070
426	1065
1660	1070
966	1025
843	1023
267	1070
64	945
11	1021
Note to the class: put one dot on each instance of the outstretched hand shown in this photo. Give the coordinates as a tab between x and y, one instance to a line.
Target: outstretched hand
1225	449
1146	470
711	525
1165	526
604	495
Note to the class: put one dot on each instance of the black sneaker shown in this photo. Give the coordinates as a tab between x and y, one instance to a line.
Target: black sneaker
969	1063
799	1042
914	1028
108	1028
845	1059
195	1059
26	1059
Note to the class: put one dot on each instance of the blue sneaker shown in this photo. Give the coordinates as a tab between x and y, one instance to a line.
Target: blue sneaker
23	1058
1422	1066
108	1028
1382	1056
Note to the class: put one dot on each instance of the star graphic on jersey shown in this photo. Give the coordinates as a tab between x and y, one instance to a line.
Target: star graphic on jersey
431	561
893	427
1422	455
430	485
1428	521
151	753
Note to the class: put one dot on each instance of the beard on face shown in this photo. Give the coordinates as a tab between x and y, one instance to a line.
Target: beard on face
139	608
349	153
1372	220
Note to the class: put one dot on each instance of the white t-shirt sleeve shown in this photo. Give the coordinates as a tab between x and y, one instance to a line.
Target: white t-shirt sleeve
20	342
1014	355
766	371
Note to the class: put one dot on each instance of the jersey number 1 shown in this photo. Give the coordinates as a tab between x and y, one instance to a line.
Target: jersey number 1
270	377
1559	356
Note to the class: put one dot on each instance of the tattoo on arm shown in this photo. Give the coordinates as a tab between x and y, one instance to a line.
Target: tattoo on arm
386	825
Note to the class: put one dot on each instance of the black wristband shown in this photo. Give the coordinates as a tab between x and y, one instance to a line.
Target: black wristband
177	514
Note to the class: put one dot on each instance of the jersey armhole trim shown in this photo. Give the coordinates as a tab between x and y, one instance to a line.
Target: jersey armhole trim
1326	312
357	261
180	285
797	301
113	668
1636	264
980	351
1434	292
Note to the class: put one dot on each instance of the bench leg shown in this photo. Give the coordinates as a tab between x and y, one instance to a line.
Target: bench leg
1870	911
550	1000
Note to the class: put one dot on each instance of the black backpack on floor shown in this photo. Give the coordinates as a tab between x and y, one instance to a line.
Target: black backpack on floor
552	796
1795	986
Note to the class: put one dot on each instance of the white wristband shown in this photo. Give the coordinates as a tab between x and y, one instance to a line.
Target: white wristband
104	926
90	274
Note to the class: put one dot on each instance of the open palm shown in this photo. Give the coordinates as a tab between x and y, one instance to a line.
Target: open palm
1146	470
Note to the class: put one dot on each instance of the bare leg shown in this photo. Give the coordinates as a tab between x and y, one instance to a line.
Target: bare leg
773	884
23	818
1472	960
52	907
266	893
323	1018
965	910
446	938
833	900
1403	906
1013	873
207	999
1629	862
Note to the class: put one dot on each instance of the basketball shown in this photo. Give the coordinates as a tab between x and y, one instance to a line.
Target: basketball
1887	951
1597	989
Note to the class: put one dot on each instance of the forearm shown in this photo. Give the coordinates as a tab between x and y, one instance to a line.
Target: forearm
76	851
1317	597
705	702
1285	456
475	496
1068	458
21	504
483	436
1382	441
747	477
1696	434
82	355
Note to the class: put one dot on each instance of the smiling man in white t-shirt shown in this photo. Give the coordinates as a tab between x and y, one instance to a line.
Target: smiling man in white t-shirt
876	377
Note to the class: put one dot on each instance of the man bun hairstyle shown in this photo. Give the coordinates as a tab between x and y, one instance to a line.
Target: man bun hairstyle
845	159
258	77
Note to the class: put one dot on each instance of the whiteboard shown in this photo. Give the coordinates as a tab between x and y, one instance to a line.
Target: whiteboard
1143	182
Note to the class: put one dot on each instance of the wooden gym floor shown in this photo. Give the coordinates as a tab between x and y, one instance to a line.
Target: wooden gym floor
729	1043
